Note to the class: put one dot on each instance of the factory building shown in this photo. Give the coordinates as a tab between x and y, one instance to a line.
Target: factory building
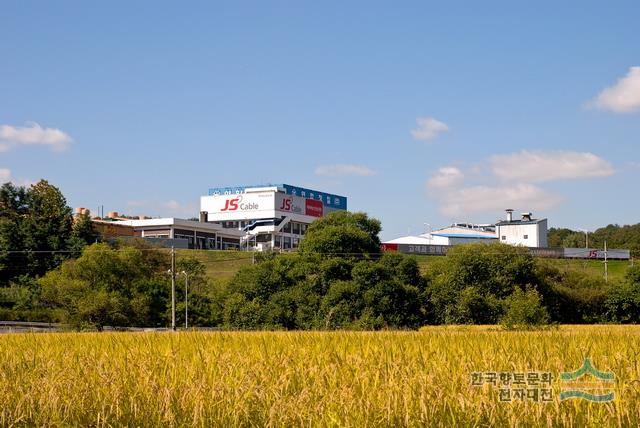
526	231
274	216
259	217
456	234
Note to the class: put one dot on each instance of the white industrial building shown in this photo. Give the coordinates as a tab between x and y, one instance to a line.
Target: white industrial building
526	231
457	234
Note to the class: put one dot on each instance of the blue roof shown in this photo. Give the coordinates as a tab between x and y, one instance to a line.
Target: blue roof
461	235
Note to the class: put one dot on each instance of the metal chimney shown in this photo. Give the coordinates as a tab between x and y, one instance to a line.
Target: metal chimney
509	214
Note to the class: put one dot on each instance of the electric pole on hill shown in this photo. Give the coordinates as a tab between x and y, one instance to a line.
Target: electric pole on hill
173	289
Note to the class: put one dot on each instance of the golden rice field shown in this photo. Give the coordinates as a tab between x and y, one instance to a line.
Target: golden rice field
287	379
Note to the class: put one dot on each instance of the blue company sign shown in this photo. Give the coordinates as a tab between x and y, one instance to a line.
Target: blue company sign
328	199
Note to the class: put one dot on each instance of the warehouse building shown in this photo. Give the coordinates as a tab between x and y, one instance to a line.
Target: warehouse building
527	231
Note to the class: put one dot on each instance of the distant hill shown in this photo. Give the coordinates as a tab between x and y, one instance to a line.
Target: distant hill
627	236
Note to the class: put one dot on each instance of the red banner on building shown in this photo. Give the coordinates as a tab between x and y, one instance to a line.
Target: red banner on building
313	207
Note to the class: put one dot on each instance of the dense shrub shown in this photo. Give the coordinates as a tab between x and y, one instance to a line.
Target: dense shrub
524	309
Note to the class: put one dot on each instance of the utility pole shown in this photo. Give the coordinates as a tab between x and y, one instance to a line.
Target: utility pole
186	299
606	264
173	288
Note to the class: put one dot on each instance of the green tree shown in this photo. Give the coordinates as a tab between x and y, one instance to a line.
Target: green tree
469	283
122	286
82	233
342	233
35	228
337	280
623	301
14	208
524	309
200	299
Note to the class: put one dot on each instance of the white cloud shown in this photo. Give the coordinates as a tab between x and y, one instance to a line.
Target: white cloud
33	134
155	208
446	177
623	97
5	175
173	205
137	203
428	128
344	169
539	166
476	199
515	175
175	208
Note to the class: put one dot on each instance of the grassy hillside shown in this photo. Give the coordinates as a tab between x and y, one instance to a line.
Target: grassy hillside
617	268
222	265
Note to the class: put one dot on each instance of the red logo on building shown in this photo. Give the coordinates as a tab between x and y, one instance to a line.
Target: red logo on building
231	204
313	207
286	204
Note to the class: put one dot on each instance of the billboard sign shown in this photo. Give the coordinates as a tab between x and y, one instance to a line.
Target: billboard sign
268	203
313	208
243	206
288	204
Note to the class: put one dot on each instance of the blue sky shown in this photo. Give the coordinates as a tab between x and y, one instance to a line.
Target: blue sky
419	112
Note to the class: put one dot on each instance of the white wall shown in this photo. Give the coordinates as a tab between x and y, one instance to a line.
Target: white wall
514	234
239	207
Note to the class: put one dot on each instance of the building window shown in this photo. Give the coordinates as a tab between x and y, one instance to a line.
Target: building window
526	236
296	228
504	238
287	228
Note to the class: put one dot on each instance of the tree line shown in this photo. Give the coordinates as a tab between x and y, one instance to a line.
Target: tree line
616	236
